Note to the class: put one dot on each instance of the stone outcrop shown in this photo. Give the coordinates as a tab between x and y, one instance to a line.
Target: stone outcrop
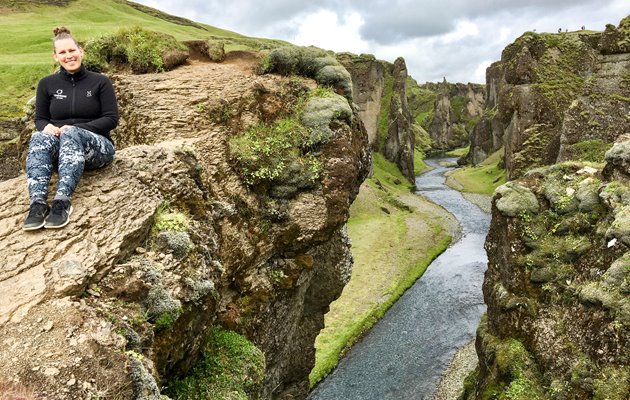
558	319
487	135
169	240
556	97
380	93
457	109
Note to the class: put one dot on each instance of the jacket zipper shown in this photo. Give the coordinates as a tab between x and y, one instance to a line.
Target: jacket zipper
73	96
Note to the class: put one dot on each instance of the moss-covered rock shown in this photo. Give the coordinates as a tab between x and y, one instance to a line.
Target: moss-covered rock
177	243
618	161
320	112
310	62
516	200
162	309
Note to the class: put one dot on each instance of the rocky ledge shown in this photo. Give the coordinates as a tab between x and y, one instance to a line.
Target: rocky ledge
557	285
171	239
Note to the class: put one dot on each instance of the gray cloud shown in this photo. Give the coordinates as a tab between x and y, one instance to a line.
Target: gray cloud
414	29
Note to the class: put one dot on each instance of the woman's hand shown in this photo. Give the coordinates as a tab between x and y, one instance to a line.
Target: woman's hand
52	129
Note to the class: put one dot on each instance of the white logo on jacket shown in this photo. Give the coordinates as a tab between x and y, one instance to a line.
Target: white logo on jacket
59	95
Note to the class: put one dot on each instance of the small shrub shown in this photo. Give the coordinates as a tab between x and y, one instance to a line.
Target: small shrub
139	49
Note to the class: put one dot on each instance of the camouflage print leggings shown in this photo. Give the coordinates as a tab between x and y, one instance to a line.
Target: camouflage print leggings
75	150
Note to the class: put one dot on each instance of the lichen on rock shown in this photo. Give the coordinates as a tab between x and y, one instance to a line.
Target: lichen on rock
516	199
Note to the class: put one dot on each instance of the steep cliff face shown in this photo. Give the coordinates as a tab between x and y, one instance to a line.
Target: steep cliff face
556	97
487	135
558	320
457	109
380	93
170	240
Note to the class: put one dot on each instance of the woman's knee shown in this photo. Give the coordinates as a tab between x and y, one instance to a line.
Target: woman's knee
42	141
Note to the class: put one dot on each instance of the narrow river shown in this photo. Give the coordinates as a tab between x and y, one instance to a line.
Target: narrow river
405	353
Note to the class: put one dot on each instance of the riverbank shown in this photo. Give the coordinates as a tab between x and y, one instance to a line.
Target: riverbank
451	384
395	235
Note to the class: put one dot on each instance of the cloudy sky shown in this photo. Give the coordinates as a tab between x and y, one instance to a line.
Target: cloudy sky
456	39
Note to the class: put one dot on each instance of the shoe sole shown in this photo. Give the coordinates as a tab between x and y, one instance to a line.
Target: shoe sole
60	226
34	228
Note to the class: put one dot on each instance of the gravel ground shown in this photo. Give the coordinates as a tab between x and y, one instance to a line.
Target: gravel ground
452	383
480	200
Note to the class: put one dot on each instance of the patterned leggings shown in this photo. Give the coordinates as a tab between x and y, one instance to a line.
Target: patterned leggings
73	151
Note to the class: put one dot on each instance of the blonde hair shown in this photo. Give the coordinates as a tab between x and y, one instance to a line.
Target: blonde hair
60	33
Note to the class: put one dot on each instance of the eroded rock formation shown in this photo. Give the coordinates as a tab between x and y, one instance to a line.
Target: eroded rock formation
116	303
556	97
558	321
457	109
380	93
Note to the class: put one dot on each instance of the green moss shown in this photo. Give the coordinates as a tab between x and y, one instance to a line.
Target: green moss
613	383
167	219
270	153
421	102
230	368
310	62
458	152
383	116
458	105
587	150
557	73
318	114
618	97
162	309
538	138
422	140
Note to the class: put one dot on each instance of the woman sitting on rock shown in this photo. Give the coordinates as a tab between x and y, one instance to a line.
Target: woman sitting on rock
75	110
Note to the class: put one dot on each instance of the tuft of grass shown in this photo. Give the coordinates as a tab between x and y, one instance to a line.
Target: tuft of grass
166	220
231	367
391	251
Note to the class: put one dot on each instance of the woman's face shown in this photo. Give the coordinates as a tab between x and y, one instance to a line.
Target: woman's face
68	55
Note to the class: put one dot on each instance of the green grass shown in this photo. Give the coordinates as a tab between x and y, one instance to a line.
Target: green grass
483	178
390	249
27	57
419	166
230	368
458	152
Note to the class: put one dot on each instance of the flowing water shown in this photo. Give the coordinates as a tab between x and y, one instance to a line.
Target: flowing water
405	353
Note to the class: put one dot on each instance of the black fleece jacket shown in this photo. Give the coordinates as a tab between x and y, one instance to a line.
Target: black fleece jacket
84	99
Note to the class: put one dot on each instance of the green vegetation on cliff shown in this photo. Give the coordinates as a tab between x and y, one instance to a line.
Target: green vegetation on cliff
421	103
395	235
231	367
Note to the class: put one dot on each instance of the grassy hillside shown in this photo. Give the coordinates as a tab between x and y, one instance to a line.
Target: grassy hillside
27	56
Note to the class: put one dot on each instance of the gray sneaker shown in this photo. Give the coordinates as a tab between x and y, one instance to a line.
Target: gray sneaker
59	214
36	217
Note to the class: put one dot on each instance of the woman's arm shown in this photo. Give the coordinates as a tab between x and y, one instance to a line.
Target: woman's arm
109	110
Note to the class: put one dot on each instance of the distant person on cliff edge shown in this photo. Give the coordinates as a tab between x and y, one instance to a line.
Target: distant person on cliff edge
75	110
